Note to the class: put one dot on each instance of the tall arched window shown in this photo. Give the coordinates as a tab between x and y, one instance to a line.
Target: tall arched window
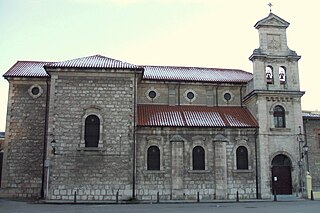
242	157
198	158
92	131
153	158
279	117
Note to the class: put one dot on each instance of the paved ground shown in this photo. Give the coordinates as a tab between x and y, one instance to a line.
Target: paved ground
304	206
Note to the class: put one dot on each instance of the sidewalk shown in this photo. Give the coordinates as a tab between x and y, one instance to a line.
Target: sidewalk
279	198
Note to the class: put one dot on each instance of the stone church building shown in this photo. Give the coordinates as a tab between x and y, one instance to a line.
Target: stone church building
103	128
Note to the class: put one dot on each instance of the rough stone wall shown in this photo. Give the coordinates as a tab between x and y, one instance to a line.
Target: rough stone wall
189	181
22	175
94	173
312	127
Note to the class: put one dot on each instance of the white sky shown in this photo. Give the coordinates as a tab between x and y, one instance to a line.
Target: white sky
205	33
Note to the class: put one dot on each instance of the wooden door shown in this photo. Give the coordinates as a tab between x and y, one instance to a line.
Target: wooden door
281	180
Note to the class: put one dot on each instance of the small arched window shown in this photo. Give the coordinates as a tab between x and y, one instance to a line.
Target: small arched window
92	131
198	158
269	75
282	75
153	158
279	117
242	157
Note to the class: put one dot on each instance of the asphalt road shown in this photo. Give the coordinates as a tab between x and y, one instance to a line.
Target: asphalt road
304	206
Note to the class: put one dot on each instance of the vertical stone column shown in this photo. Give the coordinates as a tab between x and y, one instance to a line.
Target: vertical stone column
177	147
220	153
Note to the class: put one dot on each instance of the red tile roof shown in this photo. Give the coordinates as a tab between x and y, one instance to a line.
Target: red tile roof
194	116
172	73
95	61
27	69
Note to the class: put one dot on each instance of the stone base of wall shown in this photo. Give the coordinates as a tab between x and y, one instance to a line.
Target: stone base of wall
30	193
90	195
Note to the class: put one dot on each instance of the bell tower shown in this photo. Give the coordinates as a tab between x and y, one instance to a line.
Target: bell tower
274	98
275	66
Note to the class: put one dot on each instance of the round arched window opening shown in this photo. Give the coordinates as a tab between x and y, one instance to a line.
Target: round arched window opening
152	94
227	96
190	95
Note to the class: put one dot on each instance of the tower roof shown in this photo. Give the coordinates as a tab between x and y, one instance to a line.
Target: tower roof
272	20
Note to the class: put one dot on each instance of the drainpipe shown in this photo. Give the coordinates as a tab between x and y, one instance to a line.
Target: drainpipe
256	159
134	139
306	142
44	152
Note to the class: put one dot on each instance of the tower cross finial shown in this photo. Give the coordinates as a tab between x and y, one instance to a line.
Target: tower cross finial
270	5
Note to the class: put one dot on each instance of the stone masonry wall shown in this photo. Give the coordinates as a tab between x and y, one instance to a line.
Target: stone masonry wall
95	173
149	182
24	148
312	127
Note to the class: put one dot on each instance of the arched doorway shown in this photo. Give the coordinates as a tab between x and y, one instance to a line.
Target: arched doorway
281	175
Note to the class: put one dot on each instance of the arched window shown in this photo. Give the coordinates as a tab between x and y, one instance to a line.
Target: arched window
279	117
282	75
242	157
153	158
92	131
198	158
269	75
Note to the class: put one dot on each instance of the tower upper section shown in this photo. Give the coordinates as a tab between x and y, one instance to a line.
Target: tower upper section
275	65
272	37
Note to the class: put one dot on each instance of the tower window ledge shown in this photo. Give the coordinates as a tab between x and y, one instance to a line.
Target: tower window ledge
280	129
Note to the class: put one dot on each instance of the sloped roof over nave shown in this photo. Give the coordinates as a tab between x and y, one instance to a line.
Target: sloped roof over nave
169	73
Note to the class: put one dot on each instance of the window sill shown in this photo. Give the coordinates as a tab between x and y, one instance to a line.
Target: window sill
198	171
154	171
91	149
242	171
280	129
